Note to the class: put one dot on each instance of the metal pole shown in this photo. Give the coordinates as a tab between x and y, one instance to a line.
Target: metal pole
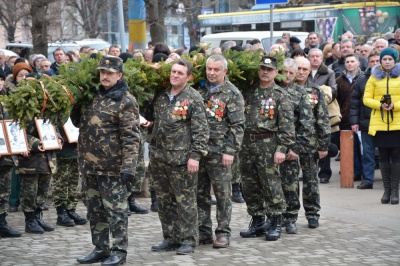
109	21
121	26
271	26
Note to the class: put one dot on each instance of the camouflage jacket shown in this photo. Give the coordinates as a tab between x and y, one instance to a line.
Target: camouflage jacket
225	115
109	137
180	128
303	118
37	162
270	110
322	137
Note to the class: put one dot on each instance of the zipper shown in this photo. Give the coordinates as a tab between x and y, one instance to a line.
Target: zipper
387	92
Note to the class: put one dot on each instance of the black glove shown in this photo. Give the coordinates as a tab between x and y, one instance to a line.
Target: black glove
127	177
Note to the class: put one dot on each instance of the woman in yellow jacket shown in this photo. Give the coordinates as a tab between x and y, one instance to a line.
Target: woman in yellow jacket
382	94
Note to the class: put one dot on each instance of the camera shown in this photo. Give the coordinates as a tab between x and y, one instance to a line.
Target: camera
386	99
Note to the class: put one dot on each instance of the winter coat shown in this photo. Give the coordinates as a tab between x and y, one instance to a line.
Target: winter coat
325	76
344	91
379	84
359	113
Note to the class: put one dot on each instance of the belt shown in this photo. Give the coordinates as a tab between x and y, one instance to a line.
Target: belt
256	137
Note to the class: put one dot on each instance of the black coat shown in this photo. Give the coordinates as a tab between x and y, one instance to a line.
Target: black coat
359	113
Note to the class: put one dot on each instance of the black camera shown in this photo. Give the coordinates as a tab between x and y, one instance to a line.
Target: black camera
386	99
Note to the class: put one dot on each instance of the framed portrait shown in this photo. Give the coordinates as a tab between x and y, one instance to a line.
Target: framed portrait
16	137
71	131
47	134
3	140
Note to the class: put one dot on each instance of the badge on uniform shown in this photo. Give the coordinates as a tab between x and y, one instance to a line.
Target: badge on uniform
180	110
268	108
216	107
313	99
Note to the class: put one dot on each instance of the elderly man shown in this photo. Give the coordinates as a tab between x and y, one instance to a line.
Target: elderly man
225	117
322	75
179	141
380	44
319	143
365	50
269	133
108	151
304	129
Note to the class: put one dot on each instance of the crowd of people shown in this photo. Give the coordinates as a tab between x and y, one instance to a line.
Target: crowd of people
244	144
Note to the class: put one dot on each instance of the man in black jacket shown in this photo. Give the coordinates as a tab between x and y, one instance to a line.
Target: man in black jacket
359	120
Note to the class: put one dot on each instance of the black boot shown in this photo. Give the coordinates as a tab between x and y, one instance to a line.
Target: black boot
394	185
76	217
256	228
40	222
386	173
5	229
31	225
63	218
237	193
154	203
274	231
134	207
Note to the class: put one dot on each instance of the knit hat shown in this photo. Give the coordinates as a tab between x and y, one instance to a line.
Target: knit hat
18	67
36	57
389	51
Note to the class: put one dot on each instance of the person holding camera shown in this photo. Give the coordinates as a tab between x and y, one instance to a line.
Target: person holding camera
382	94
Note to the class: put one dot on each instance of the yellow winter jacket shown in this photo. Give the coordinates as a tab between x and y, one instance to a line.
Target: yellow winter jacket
378	84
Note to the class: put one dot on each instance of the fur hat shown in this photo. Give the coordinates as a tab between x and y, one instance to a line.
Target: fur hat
19	66
389	51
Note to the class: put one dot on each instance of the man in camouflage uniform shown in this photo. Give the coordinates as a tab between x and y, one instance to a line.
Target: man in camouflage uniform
179	140
134	186
224	108
304	127
108	151
269	133
236	181
319	143
6	165
35	172
65	185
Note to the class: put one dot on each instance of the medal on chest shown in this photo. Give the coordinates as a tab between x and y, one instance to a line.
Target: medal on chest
215	108
180	110
267	108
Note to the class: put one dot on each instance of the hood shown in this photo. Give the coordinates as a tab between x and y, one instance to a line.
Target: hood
379	73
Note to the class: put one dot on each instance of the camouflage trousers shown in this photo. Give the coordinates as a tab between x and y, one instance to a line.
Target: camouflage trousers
311	196
106	205
65	183
260	178
212	172
236	170
176	192
34	189
135	185
5	179
289	171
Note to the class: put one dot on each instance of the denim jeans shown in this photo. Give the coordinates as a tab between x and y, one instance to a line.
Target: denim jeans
368	157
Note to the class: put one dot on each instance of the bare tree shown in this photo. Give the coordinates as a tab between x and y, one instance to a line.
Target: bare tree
155	16
89	12
11	13
38	11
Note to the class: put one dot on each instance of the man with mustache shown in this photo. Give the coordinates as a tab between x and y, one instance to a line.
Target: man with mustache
107	152
269	133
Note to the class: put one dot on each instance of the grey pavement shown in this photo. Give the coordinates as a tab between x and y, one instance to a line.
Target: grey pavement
355	229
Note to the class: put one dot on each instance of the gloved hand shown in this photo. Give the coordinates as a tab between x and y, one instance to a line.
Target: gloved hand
127	177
